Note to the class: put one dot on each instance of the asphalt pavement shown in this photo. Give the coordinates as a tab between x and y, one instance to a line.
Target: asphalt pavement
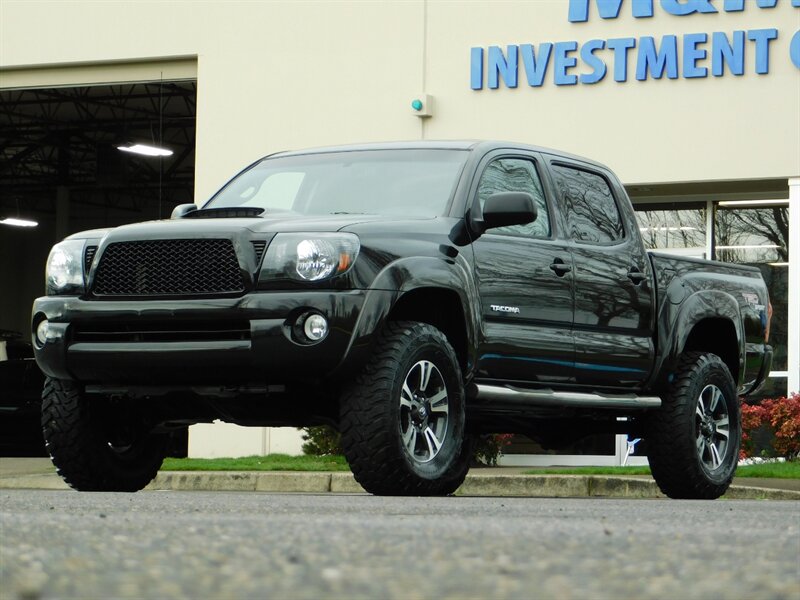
258	545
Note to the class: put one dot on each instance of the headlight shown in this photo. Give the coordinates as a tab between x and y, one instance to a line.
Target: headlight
64	273
309	256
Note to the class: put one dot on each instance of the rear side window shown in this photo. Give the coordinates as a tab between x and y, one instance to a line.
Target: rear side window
589	208
516	175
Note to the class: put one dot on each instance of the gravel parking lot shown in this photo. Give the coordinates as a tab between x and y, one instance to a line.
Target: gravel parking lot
233	545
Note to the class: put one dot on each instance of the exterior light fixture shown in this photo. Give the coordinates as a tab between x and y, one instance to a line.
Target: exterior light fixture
422	106
18	222
145	150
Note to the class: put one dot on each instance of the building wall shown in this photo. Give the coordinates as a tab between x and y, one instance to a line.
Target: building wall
292	74
287	75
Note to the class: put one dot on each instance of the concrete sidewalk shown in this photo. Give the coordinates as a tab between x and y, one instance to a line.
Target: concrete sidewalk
38	473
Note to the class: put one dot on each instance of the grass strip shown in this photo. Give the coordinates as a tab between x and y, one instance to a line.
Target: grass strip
283	462
271	462
782	470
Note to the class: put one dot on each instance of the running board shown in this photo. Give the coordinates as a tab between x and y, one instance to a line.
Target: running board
522	396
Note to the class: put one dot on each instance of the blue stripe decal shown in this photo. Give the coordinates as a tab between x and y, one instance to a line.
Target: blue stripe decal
565	363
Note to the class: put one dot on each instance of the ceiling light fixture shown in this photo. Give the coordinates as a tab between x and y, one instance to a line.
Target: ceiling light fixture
145	150
752	202
748	246
19	222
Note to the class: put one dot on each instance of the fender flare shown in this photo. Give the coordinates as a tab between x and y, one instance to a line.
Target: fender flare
396	280
702	305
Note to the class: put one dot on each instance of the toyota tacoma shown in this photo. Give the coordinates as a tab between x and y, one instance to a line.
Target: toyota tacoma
412	295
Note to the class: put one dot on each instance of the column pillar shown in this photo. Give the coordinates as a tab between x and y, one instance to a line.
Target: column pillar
793	342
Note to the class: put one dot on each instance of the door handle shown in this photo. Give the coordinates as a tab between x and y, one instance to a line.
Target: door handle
636	276
559	267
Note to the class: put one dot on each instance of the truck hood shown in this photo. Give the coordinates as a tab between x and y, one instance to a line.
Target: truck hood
278	223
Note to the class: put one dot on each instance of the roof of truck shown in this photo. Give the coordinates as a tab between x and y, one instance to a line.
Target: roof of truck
470	145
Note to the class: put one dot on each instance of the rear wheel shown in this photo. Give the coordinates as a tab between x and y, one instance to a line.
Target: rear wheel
402	422
95	445
693	440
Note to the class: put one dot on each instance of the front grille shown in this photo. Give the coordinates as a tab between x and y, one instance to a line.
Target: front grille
161	331
167	268
88	257
259	247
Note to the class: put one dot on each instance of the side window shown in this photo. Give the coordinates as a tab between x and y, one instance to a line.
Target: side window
516	175
589	208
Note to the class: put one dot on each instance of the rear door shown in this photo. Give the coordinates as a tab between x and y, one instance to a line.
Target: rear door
614	309
525	282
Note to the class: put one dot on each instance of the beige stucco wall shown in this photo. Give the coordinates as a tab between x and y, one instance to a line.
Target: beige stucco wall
283	75
275	75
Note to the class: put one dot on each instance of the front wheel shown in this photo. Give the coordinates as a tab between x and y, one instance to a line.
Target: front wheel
402	422
693	439
95	445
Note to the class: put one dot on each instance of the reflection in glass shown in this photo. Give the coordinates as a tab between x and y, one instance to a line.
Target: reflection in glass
665	227
760	237
516	175
589	206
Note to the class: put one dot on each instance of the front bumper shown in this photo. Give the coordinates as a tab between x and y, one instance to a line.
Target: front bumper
265	350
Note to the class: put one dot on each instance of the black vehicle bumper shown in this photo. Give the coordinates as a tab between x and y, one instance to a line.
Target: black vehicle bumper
191	342
752	387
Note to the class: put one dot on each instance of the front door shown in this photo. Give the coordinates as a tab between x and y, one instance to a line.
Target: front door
525	281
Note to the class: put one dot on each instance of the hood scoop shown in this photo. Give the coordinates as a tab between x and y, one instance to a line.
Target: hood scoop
232	212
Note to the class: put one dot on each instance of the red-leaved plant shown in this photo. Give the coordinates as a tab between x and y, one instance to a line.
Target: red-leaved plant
779	415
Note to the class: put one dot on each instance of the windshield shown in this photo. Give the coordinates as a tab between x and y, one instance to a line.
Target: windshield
415	183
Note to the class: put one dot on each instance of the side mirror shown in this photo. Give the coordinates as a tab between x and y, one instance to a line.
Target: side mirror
508	208
182	210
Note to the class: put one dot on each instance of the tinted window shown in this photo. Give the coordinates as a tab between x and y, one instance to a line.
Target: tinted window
589	208
516	175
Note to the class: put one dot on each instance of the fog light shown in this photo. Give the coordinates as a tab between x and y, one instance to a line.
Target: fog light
315	327
41	332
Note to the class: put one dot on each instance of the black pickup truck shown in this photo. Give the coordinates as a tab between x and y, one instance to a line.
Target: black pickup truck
413	295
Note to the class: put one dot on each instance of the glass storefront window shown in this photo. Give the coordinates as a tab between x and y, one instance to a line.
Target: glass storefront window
676	228
758	235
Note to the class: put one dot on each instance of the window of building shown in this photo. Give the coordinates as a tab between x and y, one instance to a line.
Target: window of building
591	212
752	233
516	175
674	228
757	234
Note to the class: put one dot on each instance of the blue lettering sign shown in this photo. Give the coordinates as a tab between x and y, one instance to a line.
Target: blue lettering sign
700	53
535	68
692	54
502	67
620	46
682	8
656	61
610	9
598	66
476	68
738	5
794	50
762	38
723	52
563	61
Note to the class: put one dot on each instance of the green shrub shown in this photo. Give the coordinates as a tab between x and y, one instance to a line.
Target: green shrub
322	440
490	447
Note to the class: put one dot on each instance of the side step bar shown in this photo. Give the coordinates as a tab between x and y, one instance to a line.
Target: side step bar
521	396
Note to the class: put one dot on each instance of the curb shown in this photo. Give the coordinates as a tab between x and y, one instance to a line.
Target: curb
525	486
